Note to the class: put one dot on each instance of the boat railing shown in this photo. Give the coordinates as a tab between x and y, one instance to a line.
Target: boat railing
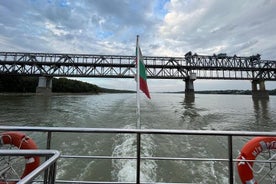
49	165
138	132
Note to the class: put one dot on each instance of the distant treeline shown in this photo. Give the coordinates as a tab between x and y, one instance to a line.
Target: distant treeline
63	85
20	84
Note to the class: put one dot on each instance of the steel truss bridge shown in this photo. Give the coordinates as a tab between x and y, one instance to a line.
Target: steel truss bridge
218	66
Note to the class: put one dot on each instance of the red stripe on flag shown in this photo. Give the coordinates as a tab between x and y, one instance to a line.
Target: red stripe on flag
144	87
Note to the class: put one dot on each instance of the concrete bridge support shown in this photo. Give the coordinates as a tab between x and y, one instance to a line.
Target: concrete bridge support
189	86
44	85
259	92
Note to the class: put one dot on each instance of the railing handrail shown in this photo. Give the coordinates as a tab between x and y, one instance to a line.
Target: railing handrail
54	155
135	131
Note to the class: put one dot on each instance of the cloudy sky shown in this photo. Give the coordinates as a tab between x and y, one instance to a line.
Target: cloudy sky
166	28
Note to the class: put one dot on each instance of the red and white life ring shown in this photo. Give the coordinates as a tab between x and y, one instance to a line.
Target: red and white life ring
249	152
21	141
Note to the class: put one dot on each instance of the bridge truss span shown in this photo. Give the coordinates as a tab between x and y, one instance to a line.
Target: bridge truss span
119	66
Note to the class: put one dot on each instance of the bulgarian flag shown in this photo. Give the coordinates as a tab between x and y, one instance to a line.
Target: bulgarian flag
141	79
141	75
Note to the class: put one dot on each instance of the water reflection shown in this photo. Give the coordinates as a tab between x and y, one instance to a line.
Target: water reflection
261	110
189	108
189	97
190	117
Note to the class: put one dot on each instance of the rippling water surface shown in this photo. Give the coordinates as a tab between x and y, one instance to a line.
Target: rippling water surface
163	111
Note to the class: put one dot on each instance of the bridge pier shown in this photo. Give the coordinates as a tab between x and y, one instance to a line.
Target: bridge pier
259	92
189	86
44	85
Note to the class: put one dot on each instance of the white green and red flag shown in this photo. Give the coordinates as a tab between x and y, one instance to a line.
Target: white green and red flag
141	75
141	79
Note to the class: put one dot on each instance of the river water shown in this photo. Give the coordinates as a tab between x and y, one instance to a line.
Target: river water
163	111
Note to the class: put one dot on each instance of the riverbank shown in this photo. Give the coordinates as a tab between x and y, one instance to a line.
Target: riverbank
23	84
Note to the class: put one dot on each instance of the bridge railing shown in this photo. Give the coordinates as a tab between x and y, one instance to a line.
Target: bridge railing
195	61
138	132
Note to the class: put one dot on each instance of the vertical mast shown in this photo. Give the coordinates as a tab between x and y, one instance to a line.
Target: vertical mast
138	125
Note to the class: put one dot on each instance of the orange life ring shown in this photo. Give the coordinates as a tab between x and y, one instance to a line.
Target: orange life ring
249	152
21	141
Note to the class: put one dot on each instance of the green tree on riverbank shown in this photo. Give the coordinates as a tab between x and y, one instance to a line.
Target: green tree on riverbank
63	85
19	84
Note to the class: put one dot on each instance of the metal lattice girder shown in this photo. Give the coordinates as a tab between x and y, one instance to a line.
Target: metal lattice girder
119	66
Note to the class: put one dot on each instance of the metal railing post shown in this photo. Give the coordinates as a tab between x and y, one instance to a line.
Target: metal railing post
49	140
47	174
230	157
138	158
52	174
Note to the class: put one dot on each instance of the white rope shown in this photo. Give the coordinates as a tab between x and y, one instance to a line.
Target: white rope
2	142
24	139
8	161
262	167
11	160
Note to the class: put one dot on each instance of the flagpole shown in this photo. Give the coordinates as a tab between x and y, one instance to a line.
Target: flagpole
138	125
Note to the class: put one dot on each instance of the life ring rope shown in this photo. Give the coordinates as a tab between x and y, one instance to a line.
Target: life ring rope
262	167
24	139
248	155
252	169
21	141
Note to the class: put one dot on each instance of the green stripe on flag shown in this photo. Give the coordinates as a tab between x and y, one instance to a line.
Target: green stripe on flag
142	69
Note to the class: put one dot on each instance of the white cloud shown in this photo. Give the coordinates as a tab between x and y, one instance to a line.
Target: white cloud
166	28
56	30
